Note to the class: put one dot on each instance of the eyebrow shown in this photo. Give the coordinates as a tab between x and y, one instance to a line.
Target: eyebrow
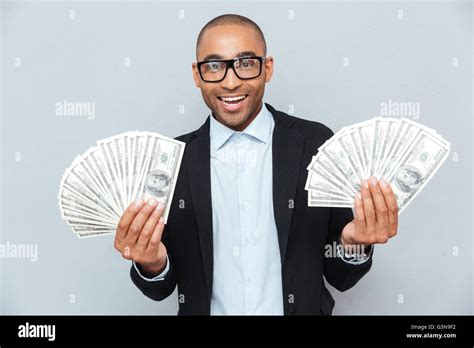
239	55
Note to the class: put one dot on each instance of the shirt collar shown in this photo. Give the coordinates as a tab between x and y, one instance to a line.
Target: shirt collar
260	128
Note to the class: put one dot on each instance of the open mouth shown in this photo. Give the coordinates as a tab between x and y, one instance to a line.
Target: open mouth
233	102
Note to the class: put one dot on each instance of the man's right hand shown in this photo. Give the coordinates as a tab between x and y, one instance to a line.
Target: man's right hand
138	236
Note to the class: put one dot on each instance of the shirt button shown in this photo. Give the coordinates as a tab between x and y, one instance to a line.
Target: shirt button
236	251
250	240
251	278
245	203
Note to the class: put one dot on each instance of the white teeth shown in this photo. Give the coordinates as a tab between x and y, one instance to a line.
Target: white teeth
232	99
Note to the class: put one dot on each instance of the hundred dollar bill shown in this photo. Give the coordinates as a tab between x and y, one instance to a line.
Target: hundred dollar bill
126	164
323	162
98	186
160	172
77	205
380	147
315	199
365	132
88	172
318	195
380	129
347	144
357	145
392	126
417	167
108	148
88	234
83	225
339	159
75	223
78	214
83	189
140	153
95	163
318	183
407	135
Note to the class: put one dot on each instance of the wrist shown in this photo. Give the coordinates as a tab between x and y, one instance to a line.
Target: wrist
351	248
152	270
346	234
345	241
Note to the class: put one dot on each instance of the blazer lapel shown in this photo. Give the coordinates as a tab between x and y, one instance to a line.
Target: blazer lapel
199	174
287	152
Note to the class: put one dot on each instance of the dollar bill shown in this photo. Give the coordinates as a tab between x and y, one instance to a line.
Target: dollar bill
401	151
161	171
317	182
340	161
99	185
417	167
324	163
390	135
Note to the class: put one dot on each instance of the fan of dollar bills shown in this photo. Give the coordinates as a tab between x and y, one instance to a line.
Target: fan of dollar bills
100	184
404	153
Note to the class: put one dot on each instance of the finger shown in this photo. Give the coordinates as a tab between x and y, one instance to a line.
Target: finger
368	207
381	211
127	217
139	221
392	206
359	217
148	228
155	239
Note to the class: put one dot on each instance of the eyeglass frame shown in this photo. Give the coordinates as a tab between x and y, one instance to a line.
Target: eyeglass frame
230	63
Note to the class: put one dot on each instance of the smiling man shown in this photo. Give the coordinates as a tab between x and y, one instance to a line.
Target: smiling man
240	237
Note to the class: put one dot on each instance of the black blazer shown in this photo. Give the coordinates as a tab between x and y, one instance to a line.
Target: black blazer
303	232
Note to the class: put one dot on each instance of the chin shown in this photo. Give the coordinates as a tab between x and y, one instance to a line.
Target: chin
235	121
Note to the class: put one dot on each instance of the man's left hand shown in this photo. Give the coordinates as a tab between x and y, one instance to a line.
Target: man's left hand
376	215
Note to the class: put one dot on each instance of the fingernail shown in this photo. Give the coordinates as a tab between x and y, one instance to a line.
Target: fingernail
161	221
383	182
365	183
373	181
359	196
160	206
151	202
138	202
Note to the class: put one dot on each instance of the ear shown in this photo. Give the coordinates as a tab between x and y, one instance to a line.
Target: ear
196	77
268	69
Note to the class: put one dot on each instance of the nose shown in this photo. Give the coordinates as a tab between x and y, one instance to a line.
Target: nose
231	80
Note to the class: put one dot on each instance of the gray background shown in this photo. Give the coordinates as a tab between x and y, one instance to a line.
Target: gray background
407	59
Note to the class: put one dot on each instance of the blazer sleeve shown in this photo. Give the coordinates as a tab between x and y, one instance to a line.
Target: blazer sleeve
337	272
161	289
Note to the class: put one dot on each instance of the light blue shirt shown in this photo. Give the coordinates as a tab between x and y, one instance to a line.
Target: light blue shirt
247	269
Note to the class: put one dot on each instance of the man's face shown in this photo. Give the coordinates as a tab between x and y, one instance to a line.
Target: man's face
228	42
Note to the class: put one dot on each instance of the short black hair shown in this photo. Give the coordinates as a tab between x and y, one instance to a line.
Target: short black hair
227	19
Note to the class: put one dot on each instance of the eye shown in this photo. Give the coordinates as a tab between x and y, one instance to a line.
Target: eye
213	67
247	63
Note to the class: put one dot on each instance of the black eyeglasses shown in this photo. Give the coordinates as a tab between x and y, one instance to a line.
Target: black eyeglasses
245	68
